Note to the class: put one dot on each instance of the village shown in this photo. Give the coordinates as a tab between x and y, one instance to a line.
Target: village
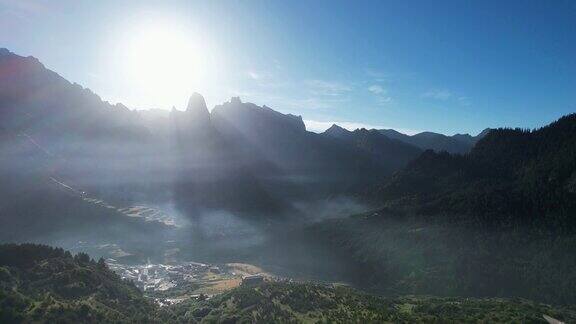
173	283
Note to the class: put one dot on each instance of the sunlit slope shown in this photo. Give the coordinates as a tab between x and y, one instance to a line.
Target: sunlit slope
47	285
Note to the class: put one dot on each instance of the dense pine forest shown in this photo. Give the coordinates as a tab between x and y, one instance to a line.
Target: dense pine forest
498	221
41	284
511	177
328	161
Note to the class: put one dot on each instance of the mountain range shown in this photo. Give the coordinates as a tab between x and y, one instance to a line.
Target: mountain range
486	215
497	221
511	175
456	144
238	156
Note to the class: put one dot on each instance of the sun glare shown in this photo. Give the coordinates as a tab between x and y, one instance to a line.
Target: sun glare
166	61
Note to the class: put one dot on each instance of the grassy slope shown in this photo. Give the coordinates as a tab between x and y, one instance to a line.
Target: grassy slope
310	303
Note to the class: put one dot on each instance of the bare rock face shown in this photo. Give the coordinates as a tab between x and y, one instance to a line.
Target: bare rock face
197	110
192	125
252	120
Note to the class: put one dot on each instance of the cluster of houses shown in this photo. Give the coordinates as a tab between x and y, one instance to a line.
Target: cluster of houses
157	278
160	277
252	280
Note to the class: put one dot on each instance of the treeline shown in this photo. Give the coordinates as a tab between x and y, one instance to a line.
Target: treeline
311	303
511	177
42	284
498	221
399	254
28	254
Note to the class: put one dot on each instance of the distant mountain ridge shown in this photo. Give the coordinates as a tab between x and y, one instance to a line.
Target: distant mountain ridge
375	143
459	143
239	157
495	221
511	175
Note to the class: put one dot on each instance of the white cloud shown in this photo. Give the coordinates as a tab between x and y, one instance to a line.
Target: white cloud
446	95
327	88
254	75
464	101
380	93
377	75
438	94
376	89
265	79
315	102
382	100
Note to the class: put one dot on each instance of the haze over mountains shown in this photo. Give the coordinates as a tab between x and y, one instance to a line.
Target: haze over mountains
239	156
498	221
459	143
487	215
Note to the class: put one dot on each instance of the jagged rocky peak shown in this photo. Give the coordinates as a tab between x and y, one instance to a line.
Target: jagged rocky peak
235	100
18	63
197	108
5	51
121	107
196	102
250	117
336	131
483	133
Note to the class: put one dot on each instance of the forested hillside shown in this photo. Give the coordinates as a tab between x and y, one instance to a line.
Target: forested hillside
392	253
42	284
498	221
312	303
510	176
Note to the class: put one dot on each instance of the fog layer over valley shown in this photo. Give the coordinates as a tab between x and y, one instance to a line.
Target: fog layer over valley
77	169
486	215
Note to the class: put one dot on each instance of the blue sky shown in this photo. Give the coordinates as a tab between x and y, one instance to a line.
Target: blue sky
445	66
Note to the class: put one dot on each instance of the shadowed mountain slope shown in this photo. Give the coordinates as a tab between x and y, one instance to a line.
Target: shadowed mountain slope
46	285
514	173
459	143
290	156
497	221
395	153
239	158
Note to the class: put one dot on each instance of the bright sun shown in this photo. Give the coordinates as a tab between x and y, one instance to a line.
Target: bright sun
167	61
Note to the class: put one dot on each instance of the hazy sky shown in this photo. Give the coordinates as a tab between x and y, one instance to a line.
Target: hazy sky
447	66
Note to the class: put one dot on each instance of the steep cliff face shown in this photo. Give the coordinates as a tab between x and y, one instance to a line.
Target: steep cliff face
40	102
252	121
